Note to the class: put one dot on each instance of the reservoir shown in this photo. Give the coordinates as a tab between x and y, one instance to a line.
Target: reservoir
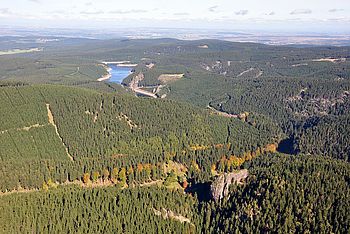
118	74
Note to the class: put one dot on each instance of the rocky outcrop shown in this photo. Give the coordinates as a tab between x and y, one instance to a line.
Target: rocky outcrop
220	187
168	214
134	84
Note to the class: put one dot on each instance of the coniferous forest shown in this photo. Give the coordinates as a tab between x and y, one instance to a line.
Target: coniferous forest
234	138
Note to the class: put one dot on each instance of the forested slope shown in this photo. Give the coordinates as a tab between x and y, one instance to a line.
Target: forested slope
60	133
282	194
294	87
91	157
285	194
99	210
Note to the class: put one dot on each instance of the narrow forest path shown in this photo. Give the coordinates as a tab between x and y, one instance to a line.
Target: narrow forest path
97	184
221	113
52	122
27	128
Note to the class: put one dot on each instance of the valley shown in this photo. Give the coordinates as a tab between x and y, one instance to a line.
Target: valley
174	136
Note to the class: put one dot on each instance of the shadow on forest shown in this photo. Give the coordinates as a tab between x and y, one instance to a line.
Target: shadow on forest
201	190
286	146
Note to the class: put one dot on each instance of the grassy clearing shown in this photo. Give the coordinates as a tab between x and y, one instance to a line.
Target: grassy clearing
20	51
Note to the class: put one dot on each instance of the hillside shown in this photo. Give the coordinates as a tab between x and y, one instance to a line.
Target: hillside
294	87
62	133
234	138
283	193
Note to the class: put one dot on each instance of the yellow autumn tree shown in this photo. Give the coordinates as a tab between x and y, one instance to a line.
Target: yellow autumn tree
272	148
86	178
213	169
105	174
195	165
45	187
95	176
114	175
130	170
122	176
139	168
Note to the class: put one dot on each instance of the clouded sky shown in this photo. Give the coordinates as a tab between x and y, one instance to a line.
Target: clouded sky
313	15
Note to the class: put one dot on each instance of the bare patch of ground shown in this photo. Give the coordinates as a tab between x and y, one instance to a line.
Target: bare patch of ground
18	190
244	72
49	115
99	183
19	51
224	114
151	183
95	117
203	46
168	214
206	67
150	65
167	78
259	74
30	127
124	117
332	60
300	64
94	114
25	128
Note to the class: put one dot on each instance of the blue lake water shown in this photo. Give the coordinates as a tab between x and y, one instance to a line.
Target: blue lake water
118	73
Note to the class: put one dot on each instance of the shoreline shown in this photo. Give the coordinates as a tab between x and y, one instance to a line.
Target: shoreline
124	63
107	76
127	65
109	69
116	62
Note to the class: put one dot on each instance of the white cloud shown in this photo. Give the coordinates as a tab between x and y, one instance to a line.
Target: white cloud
241	12
5	11
128	11
334	10
301	12
181	14
213	8
92	12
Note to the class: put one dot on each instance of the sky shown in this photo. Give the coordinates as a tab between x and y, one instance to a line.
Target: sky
274	15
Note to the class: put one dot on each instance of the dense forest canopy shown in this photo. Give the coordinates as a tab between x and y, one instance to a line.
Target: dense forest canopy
83	156
283	194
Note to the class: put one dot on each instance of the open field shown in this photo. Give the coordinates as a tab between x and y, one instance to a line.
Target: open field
20	51
167	78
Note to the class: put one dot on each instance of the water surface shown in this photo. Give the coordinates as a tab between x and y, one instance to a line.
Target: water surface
118	73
